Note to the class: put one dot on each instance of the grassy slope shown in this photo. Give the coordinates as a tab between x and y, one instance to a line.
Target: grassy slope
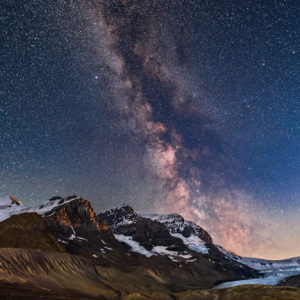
26	274
28	231
246	292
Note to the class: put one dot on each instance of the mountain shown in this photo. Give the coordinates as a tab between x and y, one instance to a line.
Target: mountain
63	247
181	241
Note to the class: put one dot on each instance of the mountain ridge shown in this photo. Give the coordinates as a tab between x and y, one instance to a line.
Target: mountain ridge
132	251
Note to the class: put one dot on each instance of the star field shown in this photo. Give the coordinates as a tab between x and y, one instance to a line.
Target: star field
178	106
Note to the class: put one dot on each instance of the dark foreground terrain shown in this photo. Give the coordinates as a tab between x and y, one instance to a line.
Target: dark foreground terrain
63	250
23	292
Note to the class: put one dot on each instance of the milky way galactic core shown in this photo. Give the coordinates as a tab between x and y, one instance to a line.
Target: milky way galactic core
179	106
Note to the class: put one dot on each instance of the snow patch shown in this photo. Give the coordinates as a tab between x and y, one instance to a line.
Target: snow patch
193	242
62	241
157	250
72	237
135	246
162	250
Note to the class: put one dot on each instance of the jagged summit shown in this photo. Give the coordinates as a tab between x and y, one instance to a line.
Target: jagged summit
55	198
125	215
170	231
125	208
179	226
118	216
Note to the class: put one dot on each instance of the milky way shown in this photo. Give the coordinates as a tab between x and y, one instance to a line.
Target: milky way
181	106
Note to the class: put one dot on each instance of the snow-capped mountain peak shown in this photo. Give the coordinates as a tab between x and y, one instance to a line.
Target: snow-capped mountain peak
52	204
152	230
119	216
193	236
10	206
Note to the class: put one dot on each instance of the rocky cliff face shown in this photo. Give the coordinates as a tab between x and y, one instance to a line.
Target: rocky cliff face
74	223
76	215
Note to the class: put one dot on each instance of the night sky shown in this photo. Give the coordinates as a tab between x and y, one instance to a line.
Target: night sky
170	106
